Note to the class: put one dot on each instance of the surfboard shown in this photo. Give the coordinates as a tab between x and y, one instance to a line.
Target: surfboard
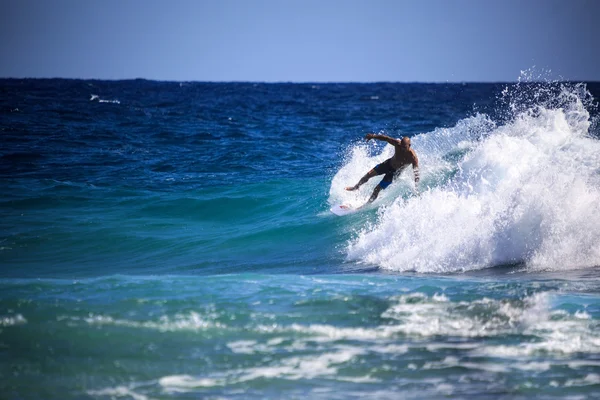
343	209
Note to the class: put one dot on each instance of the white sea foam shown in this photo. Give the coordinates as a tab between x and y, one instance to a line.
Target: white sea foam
182	383
292	368
415	316
575	364
12	320
450	362
243	346
533	366
119	391
557	332
252	346
180	322
304	367
95	97
525	191
589	379
420	316
555	336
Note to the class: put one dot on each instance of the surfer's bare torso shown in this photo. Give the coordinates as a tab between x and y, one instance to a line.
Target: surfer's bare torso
403	157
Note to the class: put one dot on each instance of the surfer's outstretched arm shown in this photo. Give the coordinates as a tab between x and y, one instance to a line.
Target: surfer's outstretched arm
415	165
384	138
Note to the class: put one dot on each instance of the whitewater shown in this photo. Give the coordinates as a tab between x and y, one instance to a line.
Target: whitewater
525	192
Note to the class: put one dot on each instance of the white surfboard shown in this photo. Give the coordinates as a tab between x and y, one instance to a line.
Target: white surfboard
343	209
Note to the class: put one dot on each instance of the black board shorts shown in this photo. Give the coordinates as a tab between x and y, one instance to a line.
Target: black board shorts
389	171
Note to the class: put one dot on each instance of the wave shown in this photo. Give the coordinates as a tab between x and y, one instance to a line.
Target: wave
521	189
412	325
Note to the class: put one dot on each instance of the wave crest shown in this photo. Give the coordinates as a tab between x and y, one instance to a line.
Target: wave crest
525	189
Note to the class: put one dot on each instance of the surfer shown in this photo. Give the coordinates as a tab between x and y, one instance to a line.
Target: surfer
403	156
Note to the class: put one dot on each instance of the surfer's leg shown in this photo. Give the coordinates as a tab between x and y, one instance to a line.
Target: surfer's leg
375	194
364	179
385	182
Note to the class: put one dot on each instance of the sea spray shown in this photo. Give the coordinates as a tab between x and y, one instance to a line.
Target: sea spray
524	191
438	152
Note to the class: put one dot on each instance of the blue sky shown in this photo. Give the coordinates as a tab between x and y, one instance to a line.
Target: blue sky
300	40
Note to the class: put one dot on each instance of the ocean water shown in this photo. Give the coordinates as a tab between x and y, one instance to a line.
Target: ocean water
173	240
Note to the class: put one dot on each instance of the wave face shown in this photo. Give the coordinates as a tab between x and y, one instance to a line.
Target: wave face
523	188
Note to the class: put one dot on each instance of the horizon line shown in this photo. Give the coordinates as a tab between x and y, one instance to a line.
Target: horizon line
303	82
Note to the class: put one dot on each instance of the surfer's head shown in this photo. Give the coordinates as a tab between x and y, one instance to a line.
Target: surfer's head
405	142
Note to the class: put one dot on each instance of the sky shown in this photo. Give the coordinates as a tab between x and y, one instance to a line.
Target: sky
301	40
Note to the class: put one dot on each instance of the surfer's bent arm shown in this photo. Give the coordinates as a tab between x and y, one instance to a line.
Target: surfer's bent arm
392	141
415	164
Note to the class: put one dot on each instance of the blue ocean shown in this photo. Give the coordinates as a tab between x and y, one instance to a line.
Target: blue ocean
174	240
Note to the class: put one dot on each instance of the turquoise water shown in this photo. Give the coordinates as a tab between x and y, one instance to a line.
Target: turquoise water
174	240
321	336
